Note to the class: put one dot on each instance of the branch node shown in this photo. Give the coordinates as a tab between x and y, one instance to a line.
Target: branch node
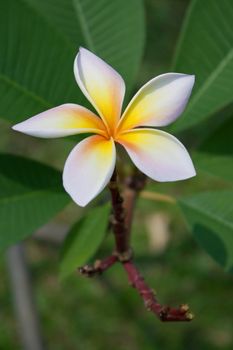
97	264
124	256
184	307
89	271
148	304
189	316
98	267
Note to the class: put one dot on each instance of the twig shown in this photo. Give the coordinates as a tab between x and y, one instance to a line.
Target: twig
121	225
99	266
165	313
118	218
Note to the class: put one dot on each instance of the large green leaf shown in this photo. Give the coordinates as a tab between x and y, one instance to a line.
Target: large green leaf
210	216
220	141
216	166
30	194
205	49
84	239
105	27
39	40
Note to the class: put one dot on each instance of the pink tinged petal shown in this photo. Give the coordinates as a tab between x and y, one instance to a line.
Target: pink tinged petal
64	120
158	154
101	84
89	168
159	102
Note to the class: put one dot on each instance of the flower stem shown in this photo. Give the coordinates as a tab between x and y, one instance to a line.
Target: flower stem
118	218
99	266
121	224
164	313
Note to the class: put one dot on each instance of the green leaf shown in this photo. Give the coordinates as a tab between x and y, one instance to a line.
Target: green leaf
220	141
39	40
216	166
205	49
210	216
30	195
105	27
84	239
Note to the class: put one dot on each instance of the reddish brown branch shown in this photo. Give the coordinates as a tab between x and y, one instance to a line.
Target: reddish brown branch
123	209
148	295
118	218
99	266
121	225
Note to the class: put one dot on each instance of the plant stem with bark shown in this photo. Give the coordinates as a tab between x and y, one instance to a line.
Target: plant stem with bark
121	225
118	218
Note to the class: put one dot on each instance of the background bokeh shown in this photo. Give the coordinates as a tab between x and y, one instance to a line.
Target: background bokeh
105	313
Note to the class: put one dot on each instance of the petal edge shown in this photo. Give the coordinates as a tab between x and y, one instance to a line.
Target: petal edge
158	154
67	119
88	168
159	102
101	85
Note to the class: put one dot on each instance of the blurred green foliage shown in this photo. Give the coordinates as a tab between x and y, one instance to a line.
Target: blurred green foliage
103	313
84	239
31	193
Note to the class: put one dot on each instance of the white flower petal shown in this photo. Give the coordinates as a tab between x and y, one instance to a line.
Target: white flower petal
158	154
64	120
159	102
101	84
89	168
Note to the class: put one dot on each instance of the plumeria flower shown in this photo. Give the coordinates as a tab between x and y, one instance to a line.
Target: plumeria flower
91	163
